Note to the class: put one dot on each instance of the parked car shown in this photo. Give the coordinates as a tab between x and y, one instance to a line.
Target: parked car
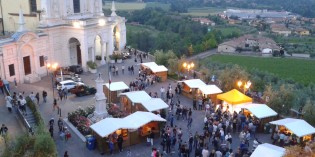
68	83
126	55
77	69
82	90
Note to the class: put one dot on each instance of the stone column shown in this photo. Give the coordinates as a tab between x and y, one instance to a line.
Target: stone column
103	48
100	100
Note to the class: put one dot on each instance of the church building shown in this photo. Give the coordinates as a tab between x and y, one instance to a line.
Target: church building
70	32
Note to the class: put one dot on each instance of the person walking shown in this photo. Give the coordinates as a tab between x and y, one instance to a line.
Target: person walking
151	136
3	130
111	146
162	92
189	123
55	104
8	100
66	154
15	83
1	86
65	92
123	69
120	141
44	94
60	124
37	97
60	93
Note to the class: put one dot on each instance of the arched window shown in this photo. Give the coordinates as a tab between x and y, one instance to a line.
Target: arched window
76	6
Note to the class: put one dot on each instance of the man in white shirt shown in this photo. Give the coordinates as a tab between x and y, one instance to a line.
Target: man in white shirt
162	90
205	152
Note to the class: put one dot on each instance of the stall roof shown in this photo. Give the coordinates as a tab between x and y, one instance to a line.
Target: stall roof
210	89
194	83
160	68
140	118
101	129
154	104
137	96
149	64
234	97
259	110
272	150
117	86
298	126
134	121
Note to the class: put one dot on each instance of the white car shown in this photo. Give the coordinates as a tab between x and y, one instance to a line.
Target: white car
68	83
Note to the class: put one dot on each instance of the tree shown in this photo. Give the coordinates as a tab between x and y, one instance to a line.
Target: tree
229	76
281	100
309	112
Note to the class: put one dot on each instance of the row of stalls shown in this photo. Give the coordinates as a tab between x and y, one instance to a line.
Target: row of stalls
141	101
133	128
151	68
235	100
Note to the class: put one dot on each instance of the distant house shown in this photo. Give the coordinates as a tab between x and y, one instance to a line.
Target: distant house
280	29
302	31
204	21
249	43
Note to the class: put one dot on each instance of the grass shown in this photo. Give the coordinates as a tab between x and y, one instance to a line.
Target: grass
300	70
228	30
203	11
158	5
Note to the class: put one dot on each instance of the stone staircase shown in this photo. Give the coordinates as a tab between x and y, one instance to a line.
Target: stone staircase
34	77
30	118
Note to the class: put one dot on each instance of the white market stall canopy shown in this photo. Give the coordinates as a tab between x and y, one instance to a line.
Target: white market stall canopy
137	96
154	67
269	150
210	89
259	110
134	121
298	126
160	68
194	83
154	104
116	86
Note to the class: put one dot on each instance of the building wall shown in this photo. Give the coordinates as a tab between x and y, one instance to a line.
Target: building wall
10	21
226	48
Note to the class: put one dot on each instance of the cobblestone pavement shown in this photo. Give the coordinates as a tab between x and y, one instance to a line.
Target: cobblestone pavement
75	147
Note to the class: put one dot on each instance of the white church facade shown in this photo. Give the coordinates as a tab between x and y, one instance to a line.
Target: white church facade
70	32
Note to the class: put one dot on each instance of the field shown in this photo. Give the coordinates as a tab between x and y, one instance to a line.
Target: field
205	11
130	6
240	29
300	70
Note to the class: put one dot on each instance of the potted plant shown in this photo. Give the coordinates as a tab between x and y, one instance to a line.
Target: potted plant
119	58
92	67
112	58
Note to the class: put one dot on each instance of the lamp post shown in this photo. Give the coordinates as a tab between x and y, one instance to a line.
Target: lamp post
52	68
245	85
188	66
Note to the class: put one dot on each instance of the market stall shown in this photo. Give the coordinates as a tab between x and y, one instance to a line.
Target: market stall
113	89
158	70
132	101
134	129
190	87
261	112
298	127
269	150
154	104
233	98
210	91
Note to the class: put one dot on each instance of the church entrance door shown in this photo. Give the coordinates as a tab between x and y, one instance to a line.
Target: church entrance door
79	55
27	65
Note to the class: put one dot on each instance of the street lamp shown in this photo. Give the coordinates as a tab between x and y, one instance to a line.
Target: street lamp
52	68
245	85
188	66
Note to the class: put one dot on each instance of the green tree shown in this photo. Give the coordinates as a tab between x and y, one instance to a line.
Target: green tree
229	77
309	112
